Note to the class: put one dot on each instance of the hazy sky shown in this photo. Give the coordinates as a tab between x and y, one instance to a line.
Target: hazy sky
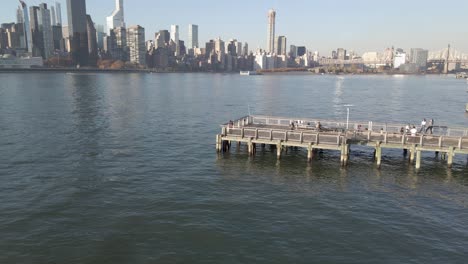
359	25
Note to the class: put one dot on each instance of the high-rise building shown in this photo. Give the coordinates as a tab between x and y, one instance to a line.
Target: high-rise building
175	34
116	19
36	35
280	45
246	49
19	15
58	13
100	34
53	16
76	10
341	54
46	29
192	37
92	41
292	51
136	44
57	37
27	27
419	57
301	51
271	31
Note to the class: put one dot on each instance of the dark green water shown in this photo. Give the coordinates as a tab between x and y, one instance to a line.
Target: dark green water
121	168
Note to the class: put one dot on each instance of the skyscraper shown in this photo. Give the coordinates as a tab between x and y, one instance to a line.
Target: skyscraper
53	16
92	41
271	31
58	13
27	26
280	45
193	36
76	10
116	19
136	43
175	34
46	29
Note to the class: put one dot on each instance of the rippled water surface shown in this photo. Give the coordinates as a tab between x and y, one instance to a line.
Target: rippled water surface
121	168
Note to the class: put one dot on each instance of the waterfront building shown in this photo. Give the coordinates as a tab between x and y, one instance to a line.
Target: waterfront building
136	44
419	57
9	61
162	38
116	19
260	61
246	50
271	31
341	54
76	10
399	58
92	41
280	45
117	44
192	36
238	47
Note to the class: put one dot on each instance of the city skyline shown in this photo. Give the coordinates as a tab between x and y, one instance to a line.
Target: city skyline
358	27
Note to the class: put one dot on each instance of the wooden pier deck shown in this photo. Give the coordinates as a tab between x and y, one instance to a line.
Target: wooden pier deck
340	136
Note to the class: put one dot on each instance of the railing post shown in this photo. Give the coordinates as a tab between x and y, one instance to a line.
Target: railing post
386	138
243	133
302	137
403	138
317	139
460	143
421	140
440	141
271	134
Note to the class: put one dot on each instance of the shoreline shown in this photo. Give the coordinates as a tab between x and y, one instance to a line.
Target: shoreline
95	70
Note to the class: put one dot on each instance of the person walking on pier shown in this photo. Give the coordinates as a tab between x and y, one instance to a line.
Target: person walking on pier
423	126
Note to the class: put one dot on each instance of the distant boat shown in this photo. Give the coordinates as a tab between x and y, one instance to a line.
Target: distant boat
248	73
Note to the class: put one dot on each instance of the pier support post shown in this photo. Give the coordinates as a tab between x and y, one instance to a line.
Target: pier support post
218	143
310	153
251	147
344	155
378	155
418	159
450	156
278	150
413	154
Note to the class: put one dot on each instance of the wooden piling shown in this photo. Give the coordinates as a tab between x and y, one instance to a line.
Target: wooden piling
418	159
278	150
378	154
450	154
310	153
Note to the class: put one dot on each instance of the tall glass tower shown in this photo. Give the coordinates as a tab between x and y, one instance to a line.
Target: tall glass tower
77	26
271	31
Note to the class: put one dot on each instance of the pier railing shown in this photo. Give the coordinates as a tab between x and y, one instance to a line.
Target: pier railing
347	126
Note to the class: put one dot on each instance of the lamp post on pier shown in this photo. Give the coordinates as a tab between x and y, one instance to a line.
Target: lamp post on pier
347	116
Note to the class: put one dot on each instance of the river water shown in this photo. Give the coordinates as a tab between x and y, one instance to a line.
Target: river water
121	168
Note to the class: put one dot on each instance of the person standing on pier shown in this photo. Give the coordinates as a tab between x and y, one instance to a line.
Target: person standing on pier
423	126
413	131
430	127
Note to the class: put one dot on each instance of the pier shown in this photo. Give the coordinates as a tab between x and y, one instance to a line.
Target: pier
281	133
